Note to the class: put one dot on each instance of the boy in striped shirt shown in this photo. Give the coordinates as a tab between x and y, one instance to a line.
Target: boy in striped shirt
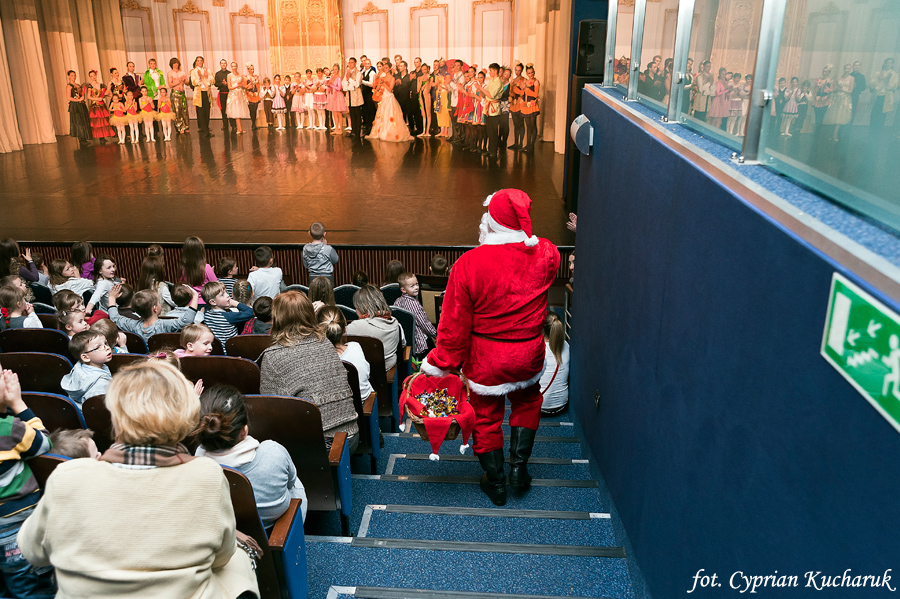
22	436
409	301
218	315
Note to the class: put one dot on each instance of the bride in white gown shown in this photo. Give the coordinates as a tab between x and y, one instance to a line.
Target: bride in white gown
389	124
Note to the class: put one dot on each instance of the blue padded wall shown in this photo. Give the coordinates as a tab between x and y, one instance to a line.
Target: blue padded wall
726	440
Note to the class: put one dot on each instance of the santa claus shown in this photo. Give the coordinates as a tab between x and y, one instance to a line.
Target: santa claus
491	329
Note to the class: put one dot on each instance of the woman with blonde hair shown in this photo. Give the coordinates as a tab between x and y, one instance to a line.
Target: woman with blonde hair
147	518
301	362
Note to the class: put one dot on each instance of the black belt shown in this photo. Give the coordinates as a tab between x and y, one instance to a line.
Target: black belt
538	336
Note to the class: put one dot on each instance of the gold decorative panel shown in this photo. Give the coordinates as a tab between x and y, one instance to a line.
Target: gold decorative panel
304	34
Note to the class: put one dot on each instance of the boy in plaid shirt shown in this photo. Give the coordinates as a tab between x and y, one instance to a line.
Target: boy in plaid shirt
408	300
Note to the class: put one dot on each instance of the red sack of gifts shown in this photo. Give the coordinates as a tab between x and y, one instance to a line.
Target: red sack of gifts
438	429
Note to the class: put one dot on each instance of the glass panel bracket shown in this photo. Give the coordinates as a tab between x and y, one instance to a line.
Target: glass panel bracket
637	38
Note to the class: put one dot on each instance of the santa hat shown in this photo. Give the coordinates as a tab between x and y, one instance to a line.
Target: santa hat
509	211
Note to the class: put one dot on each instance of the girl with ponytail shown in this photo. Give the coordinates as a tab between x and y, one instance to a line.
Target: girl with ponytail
555	380
223	435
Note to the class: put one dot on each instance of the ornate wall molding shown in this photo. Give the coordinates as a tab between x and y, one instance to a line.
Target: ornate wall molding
189	8
133	5
369	9
512	24
429	5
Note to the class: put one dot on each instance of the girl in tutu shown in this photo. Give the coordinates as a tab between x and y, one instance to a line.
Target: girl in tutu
336	102
278	104
148	114
132	118
308	104
118	119
166	113
297	106
320	98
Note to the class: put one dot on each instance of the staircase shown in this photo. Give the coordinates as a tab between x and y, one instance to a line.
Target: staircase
424	529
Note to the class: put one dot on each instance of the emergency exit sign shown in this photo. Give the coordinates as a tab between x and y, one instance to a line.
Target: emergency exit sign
862	342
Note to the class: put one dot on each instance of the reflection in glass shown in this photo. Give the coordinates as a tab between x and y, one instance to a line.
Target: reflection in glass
719	74
657	49
833	120
624	28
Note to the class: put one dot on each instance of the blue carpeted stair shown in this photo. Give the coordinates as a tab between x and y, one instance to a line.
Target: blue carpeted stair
424	530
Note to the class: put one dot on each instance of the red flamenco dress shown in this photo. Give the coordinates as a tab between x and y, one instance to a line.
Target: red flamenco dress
99	114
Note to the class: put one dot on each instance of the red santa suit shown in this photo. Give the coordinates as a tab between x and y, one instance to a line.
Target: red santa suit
493	316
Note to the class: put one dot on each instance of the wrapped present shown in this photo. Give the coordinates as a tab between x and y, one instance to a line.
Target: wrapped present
439	409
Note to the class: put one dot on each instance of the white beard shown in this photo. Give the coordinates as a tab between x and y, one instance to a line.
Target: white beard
484	229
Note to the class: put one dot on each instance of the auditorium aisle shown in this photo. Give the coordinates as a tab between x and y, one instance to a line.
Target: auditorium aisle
424	529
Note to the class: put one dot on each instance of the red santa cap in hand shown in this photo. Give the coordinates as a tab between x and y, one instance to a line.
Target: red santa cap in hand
508	218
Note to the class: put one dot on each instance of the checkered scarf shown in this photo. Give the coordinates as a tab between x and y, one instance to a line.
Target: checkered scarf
147	456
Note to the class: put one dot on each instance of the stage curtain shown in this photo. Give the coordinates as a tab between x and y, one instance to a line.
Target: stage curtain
60	55
26	71
110	37
543	33
10	140
305	33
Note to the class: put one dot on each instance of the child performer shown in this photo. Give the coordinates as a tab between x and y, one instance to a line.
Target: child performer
320	99
166	113
309	103
148	114
278	103
118	119
132	117
268	95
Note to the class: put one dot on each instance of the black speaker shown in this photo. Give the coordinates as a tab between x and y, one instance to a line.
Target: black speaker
591	47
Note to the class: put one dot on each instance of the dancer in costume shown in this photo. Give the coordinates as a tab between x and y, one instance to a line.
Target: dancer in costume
79	123
132	118
238	108
118	119
388	124
95	93
166	113
176	79
337	104
148	114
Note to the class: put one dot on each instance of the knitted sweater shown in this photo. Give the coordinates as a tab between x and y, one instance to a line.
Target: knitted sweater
311	369
116	532
21	436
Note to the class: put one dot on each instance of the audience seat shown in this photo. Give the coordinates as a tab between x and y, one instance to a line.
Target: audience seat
343	295
135	343
42	294
369	434
384	383
55	411
408	324
51	341
98	419
249	347
38	372
120	360
432	282
161	341
222	370
42	308
281	571
42	466
349	313
391	292
302	288
438	304
297	425
50	321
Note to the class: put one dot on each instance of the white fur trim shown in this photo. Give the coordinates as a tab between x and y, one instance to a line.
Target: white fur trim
402	427
463	448
432	370
434	457
487	200
504	388
497	234
532	241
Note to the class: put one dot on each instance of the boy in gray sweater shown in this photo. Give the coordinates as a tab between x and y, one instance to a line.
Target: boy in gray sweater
319	258
146	304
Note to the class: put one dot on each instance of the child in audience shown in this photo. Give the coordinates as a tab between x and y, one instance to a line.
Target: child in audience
393	270
82	258
360	279
147	305
197	340
226	269
218	315
14	281
261	323
223	433
71	322
15	312
74	443
321	290
181	296
409	300
24	436
106	277
438	265
375	320
243	292
114	336
194	269
555	380
90	376
266	279
153	276
65	276
67	300
335	324
126	295
319	258
43	270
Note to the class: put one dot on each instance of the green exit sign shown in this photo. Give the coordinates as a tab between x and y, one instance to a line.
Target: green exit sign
862	341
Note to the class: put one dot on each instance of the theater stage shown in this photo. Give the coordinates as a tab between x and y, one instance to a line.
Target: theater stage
267	187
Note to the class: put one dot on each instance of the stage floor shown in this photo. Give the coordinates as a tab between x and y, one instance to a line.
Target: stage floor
267	187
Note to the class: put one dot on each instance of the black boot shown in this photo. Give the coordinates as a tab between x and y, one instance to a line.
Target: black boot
493	481
521	442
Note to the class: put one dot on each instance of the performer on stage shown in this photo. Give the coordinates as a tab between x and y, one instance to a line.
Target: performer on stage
492	328
202	95
176	79
388	124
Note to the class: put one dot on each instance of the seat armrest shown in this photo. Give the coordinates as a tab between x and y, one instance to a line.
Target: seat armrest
406	353
390	374
370	403
283	525
337	448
